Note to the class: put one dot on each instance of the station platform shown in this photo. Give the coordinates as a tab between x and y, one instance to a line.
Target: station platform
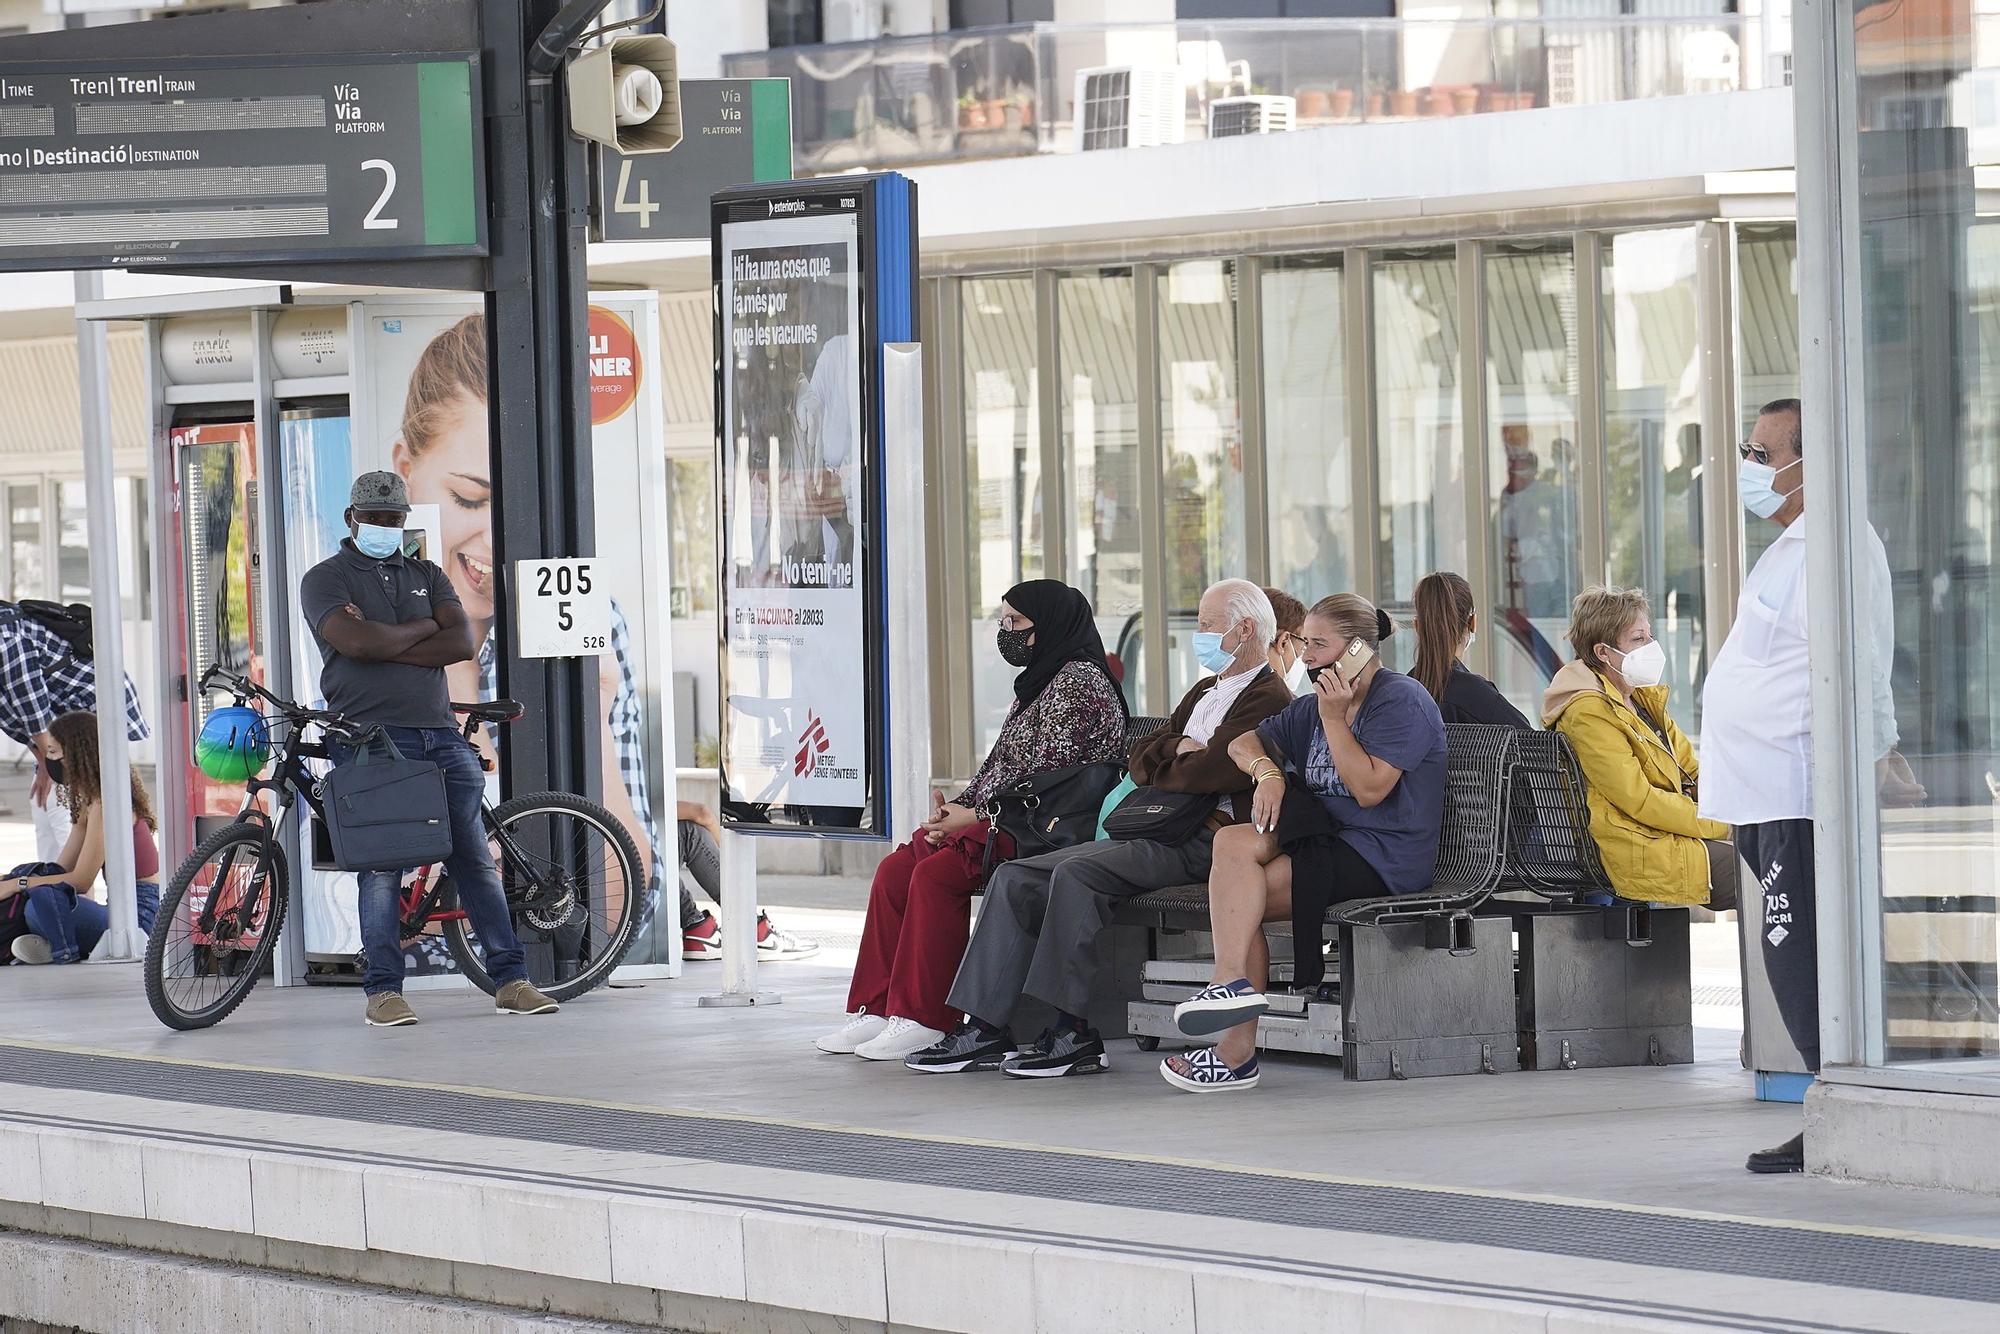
640	1162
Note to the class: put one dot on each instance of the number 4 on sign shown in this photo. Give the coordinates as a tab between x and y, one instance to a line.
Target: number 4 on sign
643	205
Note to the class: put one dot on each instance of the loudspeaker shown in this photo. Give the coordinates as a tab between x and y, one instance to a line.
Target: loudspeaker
626	95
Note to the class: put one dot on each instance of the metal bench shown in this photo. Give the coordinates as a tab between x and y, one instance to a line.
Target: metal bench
1426	982
1598	985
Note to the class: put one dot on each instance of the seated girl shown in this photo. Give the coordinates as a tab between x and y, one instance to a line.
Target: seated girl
46	913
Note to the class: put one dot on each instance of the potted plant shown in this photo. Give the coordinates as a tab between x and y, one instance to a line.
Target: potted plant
996	112
1314	104
971	116
1403	102
1341	103
1375	101
1464	101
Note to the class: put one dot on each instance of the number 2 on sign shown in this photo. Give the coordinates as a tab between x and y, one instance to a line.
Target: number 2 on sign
375	222
643	205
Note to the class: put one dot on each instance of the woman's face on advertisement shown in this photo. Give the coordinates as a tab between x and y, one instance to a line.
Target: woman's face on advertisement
453	474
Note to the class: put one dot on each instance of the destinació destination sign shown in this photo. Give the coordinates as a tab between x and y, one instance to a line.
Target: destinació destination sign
130	164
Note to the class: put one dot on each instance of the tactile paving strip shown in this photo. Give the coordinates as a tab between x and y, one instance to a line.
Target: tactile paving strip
1720	1246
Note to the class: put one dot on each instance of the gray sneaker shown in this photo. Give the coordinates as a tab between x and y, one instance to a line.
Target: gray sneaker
388	1009
32	949
519	997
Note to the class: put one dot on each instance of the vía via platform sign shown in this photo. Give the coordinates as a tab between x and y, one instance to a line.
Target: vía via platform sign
239	160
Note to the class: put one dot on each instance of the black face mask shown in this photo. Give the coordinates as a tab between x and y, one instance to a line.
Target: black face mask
55	769
1014	649
1312	673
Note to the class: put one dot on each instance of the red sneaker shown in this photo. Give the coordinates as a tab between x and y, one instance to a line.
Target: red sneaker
703	940
775	944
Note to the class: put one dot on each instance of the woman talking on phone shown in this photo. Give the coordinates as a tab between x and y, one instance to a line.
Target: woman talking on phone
1348	804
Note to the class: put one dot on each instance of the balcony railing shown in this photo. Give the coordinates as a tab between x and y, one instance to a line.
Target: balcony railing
1007	91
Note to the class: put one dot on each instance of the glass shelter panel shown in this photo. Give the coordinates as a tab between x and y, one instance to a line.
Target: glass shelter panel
1926	459
26	560
1096	341
1003	472
1307	453
1767	350
1201	430
1419	454
1652	445
1531	397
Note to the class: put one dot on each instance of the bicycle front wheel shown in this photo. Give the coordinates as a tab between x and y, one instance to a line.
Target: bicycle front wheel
216	927
576	892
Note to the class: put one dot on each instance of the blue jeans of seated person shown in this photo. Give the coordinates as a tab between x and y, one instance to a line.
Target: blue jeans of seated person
73	923
470	867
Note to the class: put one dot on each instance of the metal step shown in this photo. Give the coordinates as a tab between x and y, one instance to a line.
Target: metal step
1312	1029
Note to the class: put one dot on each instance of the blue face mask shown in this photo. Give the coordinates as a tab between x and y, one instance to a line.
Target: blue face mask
376	541
1209	652
1757	486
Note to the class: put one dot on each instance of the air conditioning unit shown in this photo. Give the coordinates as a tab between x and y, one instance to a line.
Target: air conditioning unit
1229	117
1130	106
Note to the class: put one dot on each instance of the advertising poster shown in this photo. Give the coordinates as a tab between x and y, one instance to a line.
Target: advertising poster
795	725
424	415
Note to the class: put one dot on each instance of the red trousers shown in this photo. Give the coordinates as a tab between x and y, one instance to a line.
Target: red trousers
919	919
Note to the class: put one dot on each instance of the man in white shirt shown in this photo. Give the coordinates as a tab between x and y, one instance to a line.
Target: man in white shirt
1038	928
1756	732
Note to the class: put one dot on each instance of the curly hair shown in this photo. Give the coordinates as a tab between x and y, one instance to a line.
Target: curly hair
83	776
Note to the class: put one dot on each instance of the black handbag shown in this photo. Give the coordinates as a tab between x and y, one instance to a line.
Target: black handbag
1052	810
384	812
1159	816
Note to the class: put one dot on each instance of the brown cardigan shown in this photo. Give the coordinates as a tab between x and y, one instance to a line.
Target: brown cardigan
1154	763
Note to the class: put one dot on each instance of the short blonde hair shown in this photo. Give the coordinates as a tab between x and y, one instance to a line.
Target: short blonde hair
1601	615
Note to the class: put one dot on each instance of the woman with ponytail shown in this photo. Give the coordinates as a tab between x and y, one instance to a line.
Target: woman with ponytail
1445	626
1348	803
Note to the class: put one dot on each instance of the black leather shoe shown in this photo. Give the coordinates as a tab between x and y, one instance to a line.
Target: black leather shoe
965	1049
1787	1157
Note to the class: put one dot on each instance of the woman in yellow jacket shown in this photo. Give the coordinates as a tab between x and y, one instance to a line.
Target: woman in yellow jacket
1639	767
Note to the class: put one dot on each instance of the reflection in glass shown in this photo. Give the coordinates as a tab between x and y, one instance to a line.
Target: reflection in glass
1924	457
73	543
1531	341
1003	472
1305	427
1652	445
1202	433
1095	323
1767	318
1418	442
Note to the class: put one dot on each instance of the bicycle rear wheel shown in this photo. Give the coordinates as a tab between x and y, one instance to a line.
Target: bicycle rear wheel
216	927
576	891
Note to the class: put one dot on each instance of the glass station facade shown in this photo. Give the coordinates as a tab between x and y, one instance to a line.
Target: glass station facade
1538	411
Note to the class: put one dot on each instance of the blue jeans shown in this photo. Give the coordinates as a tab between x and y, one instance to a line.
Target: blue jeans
71	922
470	867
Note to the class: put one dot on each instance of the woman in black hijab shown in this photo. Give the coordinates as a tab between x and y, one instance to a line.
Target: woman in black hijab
1067	711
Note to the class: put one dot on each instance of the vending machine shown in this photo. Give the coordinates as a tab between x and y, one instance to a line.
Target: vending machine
265	416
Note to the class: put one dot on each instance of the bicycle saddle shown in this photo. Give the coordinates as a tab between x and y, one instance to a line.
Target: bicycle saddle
492	711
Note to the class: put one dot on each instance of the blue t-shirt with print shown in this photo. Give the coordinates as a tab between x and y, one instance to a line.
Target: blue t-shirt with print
1398	724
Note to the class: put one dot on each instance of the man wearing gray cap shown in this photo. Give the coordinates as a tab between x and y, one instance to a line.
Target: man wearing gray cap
388	623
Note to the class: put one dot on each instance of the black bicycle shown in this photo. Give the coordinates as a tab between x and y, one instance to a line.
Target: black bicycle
576	890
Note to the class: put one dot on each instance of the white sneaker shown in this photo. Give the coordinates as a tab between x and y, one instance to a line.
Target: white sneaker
901	1038
32	949
859	1029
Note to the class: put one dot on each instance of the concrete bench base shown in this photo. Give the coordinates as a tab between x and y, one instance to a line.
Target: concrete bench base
1604	988
1410	1011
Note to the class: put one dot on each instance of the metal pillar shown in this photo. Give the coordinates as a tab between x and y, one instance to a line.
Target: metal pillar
93	358
536	322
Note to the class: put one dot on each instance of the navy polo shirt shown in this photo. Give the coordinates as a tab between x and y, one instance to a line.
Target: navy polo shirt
390	592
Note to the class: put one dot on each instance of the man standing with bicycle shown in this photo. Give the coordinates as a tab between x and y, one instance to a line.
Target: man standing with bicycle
388	624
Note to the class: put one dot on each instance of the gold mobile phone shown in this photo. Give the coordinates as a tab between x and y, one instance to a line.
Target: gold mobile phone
1353	662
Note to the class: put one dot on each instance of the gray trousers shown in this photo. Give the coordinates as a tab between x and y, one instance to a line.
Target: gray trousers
1038	927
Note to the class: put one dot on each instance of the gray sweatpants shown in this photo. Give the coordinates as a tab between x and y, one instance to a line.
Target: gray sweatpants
1038	927
701	859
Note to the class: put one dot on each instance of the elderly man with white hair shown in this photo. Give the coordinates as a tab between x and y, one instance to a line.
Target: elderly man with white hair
1038	930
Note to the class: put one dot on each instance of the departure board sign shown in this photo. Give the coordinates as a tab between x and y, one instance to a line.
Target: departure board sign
239	159
733	132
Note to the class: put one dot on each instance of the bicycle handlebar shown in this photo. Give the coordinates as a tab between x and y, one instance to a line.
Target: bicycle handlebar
245	689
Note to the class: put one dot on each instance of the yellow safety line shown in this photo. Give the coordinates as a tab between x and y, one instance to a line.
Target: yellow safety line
965	1141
